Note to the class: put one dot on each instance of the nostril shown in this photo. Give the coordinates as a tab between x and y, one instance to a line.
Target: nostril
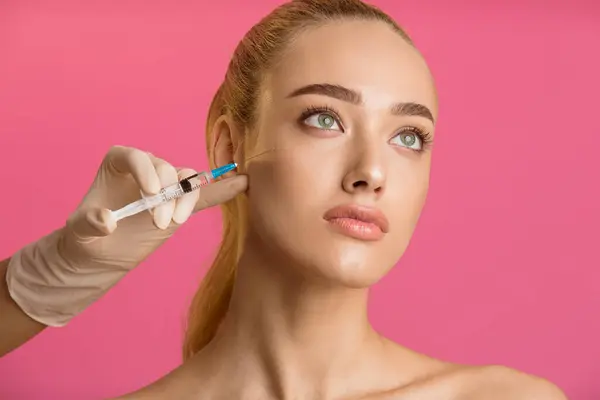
358	184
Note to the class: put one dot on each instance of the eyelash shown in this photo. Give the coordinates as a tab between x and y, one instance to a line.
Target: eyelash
424	136
314	110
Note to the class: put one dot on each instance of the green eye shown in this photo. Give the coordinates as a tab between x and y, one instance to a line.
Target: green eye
326	121
323	120
408	138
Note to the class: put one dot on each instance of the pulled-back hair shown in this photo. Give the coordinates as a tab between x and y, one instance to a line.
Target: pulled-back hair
237	96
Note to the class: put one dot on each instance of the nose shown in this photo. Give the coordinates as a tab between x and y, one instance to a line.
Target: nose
367	172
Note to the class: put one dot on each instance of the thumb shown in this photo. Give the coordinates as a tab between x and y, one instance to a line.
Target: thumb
91	223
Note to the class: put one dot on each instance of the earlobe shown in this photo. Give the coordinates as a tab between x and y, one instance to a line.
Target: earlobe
224	136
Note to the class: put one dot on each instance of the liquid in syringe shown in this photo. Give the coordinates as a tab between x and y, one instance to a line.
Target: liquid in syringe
172	192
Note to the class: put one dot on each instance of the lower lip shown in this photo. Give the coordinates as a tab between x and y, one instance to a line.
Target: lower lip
356	229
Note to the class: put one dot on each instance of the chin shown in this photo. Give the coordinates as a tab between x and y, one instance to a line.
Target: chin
329	257
351	265
355	280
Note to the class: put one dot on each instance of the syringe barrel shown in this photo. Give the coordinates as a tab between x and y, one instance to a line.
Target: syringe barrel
178	189
171	192
195	182
165	195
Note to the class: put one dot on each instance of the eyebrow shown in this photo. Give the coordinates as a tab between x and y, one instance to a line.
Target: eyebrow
354	97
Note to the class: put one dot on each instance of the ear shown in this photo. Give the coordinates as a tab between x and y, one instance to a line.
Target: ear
225	139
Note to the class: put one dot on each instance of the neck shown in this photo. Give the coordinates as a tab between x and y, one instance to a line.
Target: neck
289	334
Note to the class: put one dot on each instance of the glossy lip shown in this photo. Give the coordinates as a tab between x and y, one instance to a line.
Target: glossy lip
359	222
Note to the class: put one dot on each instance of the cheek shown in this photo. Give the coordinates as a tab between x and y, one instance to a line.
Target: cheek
282	192
407	196
297	172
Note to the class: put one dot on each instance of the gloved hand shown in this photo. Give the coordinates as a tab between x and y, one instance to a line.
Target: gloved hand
57	277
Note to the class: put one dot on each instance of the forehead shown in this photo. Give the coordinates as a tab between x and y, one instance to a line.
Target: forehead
367	56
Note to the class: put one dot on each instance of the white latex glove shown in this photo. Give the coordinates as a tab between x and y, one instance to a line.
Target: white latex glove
57	277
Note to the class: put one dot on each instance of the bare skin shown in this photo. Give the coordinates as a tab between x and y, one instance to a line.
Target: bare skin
89	239
297	327
16	327
448	383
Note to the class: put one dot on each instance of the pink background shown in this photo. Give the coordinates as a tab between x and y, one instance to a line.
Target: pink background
504	265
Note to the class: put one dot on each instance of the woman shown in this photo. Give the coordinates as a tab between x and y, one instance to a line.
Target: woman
330	112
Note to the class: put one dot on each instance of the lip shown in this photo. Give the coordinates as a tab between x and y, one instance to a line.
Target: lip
359	222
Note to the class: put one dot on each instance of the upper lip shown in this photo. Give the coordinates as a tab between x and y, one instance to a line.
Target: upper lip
365	214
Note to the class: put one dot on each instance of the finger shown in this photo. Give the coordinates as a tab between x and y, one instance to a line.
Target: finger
128	160
89	224
167	174
221	191
185	204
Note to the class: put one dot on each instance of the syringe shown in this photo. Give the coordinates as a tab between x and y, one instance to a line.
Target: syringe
172	192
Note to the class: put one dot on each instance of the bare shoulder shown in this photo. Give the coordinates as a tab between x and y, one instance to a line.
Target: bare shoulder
434	379
178	384
499	382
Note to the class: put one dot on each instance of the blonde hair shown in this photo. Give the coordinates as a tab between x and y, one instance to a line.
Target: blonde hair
237	97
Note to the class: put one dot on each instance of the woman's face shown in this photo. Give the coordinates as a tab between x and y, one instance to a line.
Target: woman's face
345	121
